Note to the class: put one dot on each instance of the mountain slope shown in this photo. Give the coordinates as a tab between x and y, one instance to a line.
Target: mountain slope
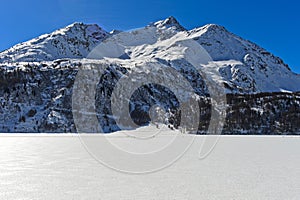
73	41
37	78
245	65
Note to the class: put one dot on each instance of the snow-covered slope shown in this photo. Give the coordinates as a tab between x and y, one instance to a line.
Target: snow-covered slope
244	65
73	41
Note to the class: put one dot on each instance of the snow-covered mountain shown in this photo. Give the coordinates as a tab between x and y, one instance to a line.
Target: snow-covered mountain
243	65
73	41
37	78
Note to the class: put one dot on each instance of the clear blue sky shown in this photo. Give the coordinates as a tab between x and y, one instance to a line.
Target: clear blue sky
275	25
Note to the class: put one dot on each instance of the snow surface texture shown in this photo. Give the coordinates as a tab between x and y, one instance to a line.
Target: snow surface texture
240	167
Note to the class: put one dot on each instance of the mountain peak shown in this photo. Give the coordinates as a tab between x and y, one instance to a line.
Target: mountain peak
75	24
170	22
215	27
81	25
89	29
73	41
210	28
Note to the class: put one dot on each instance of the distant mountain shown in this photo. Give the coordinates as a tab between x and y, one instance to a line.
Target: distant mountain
37	78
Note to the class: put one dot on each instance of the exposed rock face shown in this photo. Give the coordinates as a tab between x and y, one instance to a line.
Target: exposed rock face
37	78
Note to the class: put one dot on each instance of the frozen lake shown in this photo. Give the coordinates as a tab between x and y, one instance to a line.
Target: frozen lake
239	167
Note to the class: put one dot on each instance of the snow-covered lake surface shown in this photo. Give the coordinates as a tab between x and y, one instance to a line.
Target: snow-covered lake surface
239	167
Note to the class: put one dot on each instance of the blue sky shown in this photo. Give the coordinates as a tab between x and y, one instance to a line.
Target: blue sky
274	25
